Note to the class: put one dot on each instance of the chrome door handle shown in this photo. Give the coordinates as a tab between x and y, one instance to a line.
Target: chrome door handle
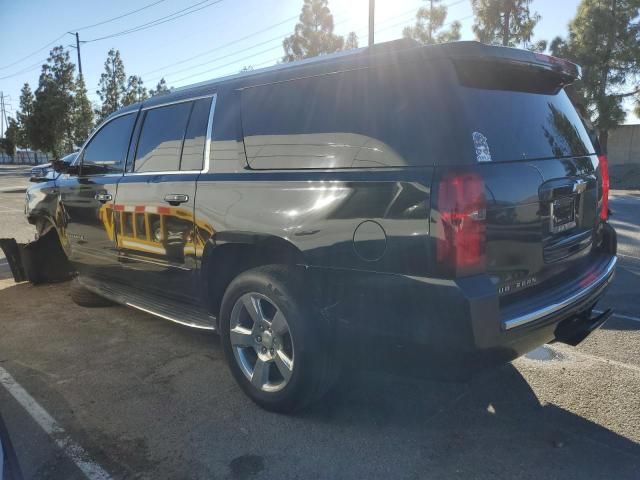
103	197
176	199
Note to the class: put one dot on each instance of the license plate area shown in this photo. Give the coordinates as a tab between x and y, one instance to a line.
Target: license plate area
563	214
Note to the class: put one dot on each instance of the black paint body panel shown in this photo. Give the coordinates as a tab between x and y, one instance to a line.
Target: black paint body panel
359	215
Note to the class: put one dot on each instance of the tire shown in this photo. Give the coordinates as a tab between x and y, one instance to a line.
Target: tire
298	364
86	298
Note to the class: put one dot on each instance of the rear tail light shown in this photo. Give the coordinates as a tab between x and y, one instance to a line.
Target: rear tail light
604	173
462	206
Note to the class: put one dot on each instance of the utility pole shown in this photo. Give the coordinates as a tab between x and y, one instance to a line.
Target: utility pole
2	114
372	9
78	48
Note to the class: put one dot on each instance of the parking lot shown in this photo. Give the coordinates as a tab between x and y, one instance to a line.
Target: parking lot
133	396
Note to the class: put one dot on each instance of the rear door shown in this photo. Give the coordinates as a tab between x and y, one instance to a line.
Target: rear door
87	199
539	169
154	206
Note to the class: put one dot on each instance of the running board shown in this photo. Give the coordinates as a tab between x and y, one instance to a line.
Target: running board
181	313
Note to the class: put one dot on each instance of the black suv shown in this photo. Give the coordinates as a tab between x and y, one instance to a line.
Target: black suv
444	199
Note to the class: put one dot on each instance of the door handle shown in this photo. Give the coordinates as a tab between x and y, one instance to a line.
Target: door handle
176	199
103	197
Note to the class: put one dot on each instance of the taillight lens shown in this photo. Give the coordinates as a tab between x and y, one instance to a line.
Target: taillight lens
604	173
461	246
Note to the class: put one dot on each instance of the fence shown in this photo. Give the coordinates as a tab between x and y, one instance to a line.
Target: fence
25	158
624	145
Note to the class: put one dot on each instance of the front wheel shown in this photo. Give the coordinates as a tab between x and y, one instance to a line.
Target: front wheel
274	343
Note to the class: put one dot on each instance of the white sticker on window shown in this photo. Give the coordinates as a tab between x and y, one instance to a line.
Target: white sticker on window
482	147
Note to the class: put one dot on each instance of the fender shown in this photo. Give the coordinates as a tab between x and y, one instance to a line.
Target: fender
228	253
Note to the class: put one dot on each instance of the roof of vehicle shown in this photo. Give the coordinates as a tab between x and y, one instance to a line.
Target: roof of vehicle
371	55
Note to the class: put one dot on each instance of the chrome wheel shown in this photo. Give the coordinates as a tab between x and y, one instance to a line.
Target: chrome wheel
261	342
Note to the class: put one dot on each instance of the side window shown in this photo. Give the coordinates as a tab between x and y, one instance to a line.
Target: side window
366	118
161	137
195	139
107	150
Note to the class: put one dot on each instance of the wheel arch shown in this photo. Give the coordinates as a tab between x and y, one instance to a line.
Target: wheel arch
230	253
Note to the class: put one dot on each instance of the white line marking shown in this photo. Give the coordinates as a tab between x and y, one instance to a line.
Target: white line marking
620	315
75	452
573	351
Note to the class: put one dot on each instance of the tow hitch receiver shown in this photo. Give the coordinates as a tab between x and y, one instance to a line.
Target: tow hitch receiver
40	261
574	330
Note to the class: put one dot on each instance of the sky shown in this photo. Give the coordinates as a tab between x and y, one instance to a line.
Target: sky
211	38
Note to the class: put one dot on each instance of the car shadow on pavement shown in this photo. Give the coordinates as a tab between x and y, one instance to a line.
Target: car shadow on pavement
491	424
148	398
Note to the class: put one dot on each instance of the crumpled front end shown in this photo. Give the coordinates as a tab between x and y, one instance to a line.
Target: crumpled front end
40	261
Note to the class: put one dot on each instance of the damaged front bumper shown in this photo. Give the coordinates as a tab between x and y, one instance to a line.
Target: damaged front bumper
40	261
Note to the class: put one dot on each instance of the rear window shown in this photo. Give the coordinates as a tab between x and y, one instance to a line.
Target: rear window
515	117
365	118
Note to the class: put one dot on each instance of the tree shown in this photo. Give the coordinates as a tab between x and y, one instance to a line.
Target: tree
10	141
351	41
505	22
313	35
428	21
82	113
135	91
603	39
112	84
161	88
51	124
24	115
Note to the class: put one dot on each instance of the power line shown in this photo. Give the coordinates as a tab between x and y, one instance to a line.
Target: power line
165	74
233	42
278	58
208	62
116	18
77	29
158	21
26	69
226	64
33	53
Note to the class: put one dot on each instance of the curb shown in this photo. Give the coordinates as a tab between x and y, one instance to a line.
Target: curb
13	190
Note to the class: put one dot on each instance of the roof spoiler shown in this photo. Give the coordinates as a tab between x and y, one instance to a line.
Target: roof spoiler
479	51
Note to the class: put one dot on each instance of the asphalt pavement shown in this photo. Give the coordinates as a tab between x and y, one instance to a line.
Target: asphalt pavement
115	393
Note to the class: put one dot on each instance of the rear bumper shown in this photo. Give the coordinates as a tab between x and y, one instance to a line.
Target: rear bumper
457	322
569	300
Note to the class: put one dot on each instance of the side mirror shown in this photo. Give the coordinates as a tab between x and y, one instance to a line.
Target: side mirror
63	167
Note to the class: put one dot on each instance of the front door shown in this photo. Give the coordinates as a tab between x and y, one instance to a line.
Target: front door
154	206
87	198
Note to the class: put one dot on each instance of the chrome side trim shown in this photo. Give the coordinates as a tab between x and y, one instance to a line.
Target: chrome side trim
600	282
207	143
174	102
166	317
160	172
124	296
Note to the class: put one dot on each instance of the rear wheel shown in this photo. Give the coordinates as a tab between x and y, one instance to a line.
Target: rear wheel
274	343
86	298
